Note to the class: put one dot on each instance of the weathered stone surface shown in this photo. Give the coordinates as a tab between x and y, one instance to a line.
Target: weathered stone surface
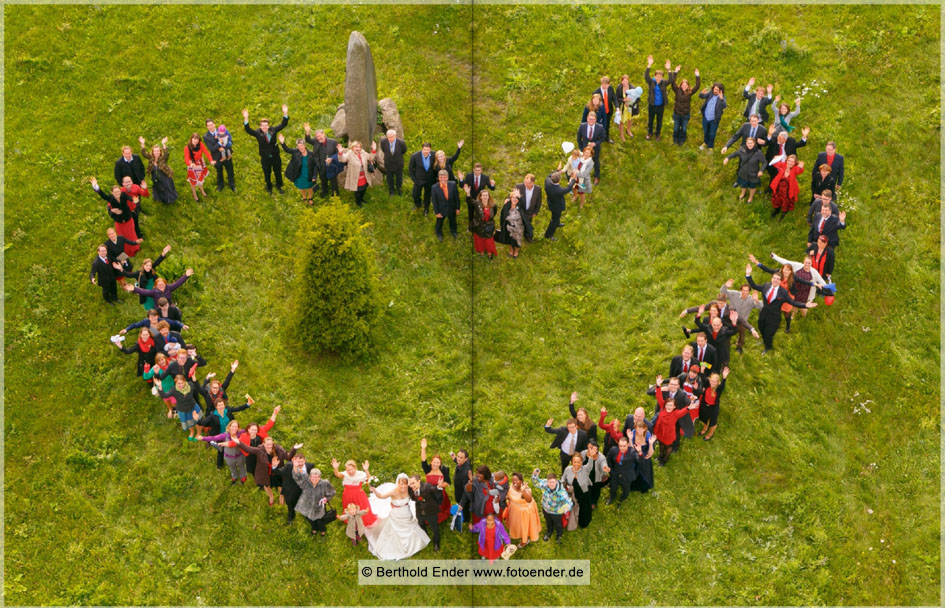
338	123
360	91
390	116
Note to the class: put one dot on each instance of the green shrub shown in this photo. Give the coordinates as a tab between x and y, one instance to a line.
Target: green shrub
337	302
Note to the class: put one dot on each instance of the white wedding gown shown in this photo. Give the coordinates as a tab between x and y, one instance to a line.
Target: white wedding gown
396	535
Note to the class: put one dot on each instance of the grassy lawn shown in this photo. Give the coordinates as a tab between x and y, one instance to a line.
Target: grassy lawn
804	497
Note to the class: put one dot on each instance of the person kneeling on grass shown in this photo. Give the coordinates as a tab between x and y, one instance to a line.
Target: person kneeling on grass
555	503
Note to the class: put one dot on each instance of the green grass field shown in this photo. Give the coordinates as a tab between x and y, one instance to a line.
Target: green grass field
802	498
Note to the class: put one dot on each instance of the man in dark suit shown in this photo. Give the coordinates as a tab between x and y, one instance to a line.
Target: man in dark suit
608	102
216	152
827	224
591	133
290	489
392	151
758	101
773	296
631	422
556	193
753	128
680	363
782	146
622	464
530	202
477	182
705	354
445	203
428	498
129	164
569	439
104	275
323	147
268	147
834	161
422	172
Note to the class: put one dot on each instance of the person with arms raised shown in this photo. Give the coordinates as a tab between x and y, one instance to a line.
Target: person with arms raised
323	147
773	296
656	99
268	149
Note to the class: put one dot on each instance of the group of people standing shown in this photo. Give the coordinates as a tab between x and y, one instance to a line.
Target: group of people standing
399	519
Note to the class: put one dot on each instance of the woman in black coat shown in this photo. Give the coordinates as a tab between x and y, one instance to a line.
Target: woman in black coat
751	166
145	348
301	170
822	180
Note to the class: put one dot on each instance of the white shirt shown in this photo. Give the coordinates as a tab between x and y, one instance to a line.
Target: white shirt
569	444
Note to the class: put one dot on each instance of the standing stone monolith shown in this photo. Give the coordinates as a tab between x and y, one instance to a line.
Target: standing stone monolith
360	111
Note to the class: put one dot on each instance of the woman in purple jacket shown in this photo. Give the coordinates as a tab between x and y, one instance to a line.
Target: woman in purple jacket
161	288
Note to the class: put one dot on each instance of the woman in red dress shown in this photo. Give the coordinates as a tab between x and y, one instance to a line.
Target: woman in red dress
118	206
483	223
194	154
352	480
492	537
784	185
436	473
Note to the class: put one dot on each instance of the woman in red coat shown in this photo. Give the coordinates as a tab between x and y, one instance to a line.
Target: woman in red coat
784	185
194	154
665	427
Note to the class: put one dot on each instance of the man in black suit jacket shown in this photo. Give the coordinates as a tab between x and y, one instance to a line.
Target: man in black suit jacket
445	204
323	147
622	463
477	182
773	296
680	363
129	164
290	489
422	171
827	224
106	275
834	161
428	498
568	438
392	151
753	128
268	147
530	201
556	193
591	133
213	145
608	104
705	354
758	101
783	145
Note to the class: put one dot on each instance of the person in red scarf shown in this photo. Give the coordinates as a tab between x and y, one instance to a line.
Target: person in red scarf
665	426
709	406
822	257
144	347
784	187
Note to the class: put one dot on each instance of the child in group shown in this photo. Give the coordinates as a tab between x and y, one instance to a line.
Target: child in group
492	537
355	525
226	143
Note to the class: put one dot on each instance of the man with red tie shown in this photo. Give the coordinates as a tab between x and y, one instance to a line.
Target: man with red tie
477	182
680	363
773	295
827	224
591	133
608	97
445	203
705	355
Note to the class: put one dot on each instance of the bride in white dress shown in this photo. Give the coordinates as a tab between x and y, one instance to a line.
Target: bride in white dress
396	535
